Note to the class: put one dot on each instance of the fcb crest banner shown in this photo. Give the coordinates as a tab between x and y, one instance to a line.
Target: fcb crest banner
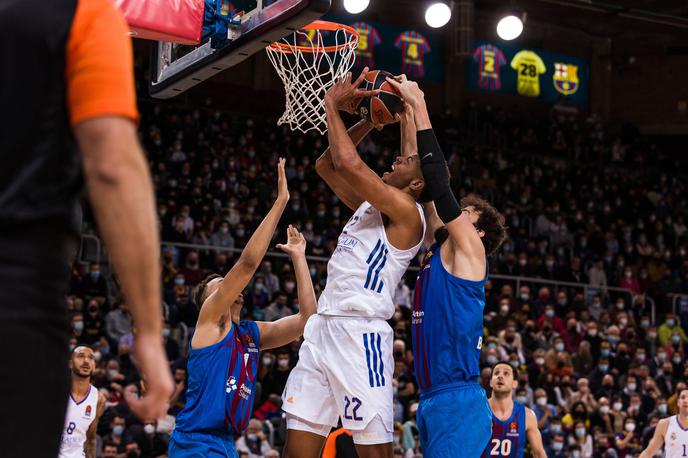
414	52
501	68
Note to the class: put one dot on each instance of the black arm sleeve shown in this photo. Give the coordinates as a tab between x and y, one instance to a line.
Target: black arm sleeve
436	176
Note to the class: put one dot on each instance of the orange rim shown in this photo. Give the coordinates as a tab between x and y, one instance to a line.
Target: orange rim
316	25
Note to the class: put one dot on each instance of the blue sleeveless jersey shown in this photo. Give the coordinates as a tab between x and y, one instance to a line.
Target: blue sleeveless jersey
508	437
447	325
222	378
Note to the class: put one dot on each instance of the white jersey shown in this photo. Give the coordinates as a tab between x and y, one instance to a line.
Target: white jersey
676	439
365	268
79	418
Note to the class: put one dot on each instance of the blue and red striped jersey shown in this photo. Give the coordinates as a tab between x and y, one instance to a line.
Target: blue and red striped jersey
222	383
446	325
368	38
508	437
413	47
490	60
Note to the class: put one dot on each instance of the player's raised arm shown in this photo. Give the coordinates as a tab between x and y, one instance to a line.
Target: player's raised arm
238	277
657	439
534	436
465	237
285	330
409	143
325	168
392	202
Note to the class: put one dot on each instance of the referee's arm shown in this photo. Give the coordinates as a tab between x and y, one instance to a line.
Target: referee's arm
102	109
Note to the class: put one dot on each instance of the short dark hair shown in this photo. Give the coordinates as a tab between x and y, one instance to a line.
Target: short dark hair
678	393
200	293
504	363
490	221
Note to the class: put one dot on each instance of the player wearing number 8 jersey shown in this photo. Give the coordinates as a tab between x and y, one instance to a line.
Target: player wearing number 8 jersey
672	432
84	409
512	422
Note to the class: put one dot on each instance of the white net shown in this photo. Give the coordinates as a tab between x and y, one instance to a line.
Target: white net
308	63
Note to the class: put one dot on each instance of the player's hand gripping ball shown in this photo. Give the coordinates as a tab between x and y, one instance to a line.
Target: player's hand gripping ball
380	109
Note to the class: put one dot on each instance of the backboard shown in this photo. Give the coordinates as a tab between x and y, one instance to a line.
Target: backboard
177	68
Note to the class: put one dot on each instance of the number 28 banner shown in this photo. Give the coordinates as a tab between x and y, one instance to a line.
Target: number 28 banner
500	68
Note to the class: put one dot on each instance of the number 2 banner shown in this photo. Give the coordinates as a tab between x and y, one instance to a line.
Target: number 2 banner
531	73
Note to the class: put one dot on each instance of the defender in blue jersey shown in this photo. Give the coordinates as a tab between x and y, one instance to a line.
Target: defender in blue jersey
512	422
453	418
224	355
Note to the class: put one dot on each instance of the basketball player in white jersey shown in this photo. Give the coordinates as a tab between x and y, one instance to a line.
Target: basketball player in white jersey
84	409
346	365
671	432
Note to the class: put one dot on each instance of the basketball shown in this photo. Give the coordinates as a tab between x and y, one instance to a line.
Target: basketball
381	108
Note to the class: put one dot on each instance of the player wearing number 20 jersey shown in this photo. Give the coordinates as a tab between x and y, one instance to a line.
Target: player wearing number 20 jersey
512	422
672	432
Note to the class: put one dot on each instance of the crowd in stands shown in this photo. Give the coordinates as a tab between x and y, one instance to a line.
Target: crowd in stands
599	363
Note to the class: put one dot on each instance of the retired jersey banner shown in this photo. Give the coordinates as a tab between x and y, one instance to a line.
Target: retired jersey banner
382	46
532	73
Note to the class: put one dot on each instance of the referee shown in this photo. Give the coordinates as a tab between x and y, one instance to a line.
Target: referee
67	118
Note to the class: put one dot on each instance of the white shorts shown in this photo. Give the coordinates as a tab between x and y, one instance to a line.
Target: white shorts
344	371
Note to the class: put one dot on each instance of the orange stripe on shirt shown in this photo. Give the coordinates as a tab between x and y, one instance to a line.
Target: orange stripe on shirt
99	64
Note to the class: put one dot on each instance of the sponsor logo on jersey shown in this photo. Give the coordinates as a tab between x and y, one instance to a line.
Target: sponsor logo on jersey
231	384
251	344
347	243
244	391
417	316
290	399
513	429
673	436
566	78
88	411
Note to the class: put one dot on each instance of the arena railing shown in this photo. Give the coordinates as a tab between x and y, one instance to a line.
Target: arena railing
588	289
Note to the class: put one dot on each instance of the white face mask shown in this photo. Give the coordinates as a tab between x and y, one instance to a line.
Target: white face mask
149	429
630	427
604	410
618	406
283	363
541	401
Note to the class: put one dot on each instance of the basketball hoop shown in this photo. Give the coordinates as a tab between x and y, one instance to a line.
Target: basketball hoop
309	62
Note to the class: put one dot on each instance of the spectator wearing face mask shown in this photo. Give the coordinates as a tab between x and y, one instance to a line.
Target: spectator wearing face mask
278	309
277	377
557	447
151	442
628	441
581	442
543	410
253	441
667	330
602	417
116	433
675	344
94	284
548	318
222	238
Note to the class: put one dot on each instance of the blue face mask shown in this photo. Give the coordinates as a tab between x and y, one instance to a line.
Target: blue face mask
252	437
94	275
117	430
604	352
179	281
603	367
